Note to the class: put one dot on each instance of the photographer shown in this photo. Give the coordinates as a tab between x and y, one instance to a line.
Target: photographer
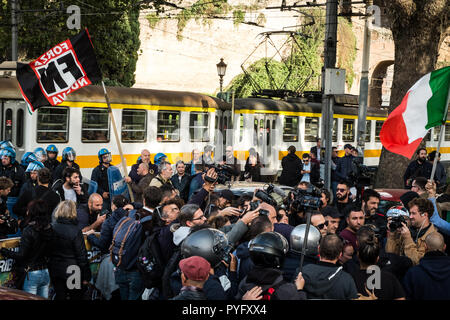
8	224
411	241
119	207
90	215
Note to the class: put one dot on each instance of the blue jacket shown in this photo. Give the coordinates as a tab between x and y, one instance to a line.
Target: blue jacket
106	235
441	224
430	280
196	183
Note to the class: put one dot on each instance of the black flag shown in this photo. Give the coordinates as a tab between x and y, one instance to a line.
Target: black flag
60	71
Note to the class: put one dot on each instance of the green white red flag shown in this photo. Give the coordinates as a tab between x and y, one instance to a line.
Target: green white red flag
423	107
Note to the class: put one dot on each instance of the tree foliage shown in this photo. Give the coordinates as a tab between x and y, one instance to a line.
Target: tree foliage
113	26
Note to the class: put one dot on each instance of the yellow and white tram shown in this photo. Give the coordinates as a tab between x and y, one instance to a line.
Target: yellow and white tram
174	123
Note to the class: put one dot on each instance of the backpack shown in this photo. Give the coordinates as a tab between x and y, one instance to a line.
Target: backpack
170	268
127	238
150	262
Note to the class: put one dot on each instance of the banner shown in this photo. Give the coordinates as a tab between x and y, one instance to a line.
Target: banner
60	71
94	257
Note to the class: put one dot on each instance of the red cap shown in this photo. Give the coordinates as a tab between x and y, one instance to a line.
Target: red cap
195	268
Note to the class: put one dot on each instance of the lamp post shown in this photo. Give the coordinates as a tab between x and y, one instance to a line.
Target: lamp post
221	69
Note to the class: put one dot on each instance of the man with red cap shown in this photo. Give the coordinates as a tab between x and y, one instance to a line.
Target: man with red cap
194	273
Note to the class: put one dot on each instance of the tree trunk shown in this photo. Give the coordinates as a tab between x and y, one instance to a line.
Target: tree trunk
417	38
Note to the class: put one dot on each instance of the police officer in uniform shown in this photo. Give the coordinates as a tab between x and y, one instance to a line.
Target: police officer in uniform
51	163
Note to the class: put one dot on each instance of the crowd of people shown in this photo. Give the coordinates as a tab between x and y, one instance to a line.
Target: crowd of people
182	240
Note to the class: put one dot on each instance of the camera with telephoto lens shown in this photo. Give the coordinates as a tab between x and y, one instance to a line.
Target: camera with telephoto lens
397	215
300	199
361	175
224	173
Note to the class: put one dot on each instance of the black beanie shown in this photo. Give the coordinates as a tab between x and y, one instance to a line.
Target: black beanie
407	197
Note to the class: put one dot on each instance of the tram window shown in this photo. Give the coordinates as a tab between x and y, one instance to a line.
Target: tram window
428	136
436	133
52	124
311	129
168	126
368	130
378	125
255	132
134	125
241	127
198	126
447	132
19	127
335	124
95	125
8	124
290	129
348	130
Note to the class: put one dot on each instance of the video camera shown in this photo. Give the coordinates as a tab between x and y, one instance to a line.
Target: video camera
224	173
361	175
271	195
300	199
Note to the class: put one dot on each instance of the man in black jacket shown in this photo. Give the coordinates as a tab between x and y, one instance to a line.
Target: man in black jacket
291	164
71	188
327	280
417	168
344	166
90	215
181	181
41	191
8	225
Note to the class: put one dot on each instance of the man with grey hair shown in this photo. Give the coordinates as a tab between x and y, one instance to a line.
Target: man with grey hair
430	280
165	173
89	215
145	178
181	181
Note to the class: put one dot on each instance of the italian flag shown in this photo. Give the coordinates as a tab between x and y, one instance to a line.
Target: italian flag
424	106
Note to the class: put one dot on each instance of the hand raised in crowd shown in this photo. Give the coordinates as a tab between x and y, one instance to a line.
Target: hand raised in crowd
127	179
254	293
431	188
233	263
128	207
89	232
229	211
299	281
249	216
209	186
404	230
105	195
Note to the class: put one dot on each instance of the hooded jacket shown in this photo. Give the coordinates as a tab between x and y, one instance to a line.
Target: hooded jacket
325	280
291	164
268	278
430	280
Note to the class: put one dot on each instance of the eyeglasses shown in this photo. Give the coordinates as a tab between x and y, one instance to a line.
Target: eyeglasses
199	218
341	190
414	187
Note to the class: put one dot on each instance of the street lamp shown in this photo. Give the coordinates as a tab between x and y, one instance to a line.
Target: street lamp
221	69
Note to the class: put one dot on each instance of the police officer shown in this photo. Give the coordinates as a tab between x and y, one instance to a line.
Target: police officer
100	175
10	168
68	161
51	163
40	154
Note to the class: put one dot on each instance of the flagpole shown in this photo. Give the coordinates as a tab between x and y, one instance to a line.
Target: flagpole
440	137
124	164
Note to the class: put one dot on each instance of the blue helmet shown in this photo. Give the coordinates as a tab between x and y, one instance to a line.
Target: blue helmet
52	148
8	152
68	154
40	154
6	143
159	157
27	158
101	153
35	166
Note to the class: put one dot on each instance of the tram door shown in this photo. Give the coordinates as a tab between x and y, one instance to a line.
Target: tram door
13	124
264	138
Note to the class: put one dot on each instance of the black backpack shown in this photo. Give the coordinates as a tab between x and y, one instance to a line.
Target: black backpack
150	262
